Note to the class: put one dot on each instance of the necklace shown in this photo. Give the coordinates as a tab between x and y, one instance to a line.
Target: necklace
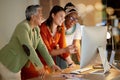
72	31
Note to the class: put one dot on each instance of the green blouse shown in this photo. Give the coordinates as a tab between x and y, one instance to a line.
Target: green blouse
21	48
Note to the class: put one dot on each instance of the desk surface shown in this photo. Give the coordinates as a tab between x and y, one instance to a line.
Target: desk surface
112	75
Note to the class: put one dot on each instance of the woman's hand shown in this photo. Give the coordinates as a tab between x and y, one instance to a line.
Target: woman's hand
71	49
56	68
72	65
42	73
70	62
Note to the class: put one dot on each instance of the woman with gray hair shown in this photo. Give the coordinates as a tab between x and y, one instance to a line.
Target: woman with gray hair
21	48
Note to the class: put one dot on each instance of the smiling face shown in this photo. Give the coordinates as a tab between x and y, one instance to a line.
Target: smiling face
71	19
58	18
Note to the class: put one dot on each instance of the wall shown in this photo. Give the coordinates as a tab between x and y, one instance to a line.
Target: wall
47	5
11	13
90	18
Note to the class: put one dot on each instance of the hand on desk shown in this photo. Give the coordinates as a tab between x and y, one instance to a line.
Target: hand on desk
56	68
42	72
72	65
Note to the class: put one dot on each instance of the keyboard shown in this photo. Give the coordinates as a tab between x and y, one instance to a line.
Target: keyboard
78	71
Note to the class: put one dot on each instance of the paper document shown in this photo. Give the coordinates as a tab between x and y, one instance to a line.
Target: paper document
78	71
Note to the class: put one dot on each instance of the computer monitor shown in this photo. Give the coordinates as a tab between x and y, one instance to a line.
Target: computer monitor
93	47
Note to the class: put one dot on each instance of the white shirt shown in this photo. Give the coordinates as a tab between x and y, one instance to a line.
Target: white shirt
73	33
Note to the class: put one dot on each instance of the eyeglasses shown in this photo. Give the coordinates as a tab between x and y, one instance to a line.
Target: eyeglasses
73	19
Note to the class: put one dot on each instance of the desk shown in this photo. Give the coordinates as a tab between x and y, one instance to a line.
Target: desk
112	75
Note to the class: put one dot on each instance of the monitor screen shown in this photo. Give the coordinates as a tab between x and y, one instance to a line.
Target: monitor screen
93	46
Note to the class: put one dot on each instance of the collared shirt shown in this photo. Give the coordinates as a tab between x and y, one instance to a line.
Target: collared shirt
51	41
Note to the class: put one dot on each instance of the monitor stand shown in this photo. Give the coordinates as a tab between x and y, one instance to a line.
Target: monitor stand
102	52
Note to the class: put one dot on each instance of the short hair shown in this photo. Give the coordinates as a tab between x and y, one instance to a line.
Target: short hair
69	4
31	10
69	8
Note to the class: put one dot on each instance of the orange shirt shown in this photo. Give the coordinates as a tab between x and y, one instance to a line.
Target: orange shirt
51	42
